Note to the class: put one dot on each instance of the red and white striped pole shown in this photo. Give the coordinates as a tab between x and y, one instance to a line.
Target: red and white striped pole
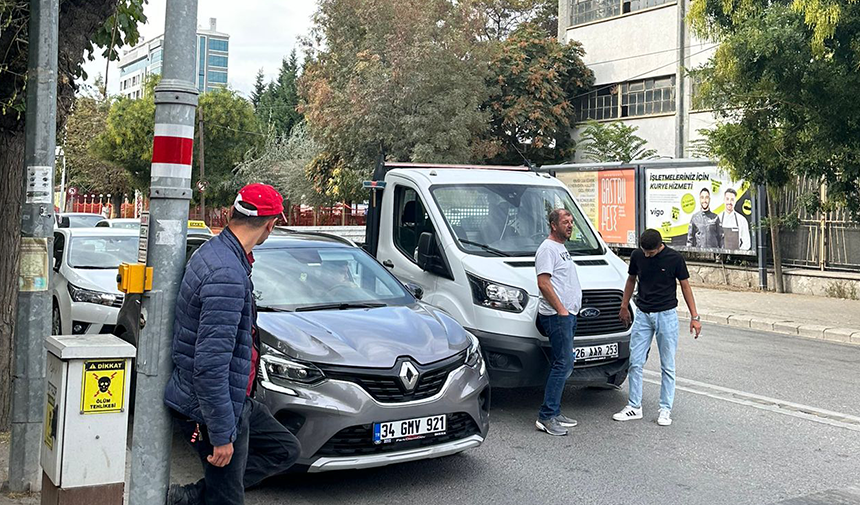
170	194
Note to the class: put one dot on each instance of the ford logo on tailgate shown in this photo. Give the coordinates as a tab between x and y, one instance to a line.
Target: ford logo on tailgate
589	313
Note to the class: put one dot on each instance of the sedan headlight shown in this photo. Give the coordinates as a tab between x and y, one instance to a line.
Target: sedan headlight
280	369
474	358
497	296
89	296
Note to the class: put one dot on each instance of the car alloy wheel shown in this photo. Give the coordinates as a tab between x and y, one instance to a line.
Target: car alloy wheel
56	325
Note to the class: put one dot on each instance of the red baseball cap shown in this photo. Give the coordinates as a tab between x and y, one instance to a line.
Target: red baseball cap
265	198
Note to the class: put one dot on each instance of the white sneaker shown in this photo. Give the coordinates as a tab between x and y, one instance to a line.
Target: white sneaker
628	413
664	418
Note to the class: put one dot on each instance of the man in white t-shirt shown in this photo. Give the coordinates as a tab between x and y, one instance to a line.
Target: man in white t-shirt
736	229
561	298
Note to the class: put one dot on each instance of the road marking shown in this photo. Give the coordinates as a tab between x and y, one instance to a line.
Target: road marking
798	410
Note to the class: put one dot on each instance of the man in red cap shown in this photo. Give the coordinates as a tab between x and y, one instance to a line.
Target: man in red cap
215	352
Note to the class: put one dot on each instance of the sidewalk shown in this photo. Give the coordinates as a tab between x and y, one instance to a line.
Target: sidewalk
806	316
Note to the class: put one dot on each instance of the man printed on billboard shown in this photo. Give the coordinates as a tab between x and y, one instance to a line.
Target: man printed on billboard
736	229
705	230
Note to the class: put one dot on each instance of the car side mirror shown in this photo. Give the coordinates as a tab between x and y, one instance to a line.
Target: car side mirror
425	250
416	290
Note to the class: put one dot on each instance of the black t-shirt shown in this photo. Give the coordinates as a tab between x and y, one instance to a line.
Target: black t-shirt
657	287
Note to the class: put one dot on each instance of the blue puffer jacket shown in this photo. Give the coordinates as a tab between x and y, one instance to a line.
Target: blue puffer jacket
212	338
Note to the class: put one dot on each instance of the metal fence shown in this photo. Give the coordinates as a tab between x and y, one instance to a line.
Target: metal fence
823	240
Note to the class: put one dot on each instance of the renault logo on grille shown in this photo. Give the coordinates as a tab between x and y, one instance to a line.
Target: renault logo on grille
589	313
408	375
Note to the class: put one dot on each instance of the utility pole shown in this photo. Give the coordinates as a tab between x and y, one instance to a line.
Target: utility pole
170	194
680	88
33	322
201	182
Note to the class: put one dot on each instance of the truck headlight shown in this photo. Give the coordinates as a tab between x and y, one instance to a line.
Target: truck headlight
282	370
474	358
89	296
497	296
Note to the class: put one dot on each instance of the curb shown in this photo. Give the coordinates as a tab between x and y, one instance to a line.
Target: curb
820	332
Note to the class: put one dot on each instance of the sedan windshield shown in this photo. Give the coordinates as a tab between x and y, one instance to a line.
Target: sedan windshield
326	278
83	220
102	252
509	220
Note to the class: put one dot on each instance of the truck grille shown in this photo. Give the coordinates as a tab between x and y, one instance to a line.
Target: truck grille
608	302
358	440
385	385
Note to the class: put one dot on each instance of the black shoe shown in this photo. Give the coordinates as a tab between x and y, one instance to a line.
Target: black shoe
178	494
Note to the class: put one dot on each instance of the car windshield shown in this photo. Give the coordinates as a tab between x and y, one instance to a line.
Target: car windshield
508	219
307	278
84	221
126	225
102	252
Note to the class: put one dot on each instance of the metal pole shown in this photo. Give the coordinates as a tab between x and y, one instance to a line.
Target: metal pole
170	193
680	89
63	183
761	242
33	322
202	179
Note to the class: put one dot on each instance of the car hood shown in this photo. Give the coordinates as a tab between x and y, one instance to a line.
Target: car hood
364	337
96	280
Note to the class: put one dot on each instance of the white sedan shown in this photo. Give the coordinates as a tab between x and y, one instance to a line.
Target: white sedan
84	288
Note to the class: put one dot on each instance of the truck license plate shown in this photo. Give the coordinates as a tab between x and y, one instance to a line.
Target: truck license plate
604	351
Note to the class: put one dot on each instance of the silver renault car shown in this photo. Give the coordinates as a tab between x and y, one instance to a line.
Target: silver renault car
355	365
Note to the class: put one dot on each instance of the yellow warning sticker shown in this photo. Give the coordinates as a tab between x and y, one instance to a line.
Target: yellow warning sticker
104	384
51	416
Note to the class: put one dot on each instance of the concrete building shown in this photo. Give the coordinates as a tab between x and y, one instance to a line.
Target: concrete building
634	48
145	59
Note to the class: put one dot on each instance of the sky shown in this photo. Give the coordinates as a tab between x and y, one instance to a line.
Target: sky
262	33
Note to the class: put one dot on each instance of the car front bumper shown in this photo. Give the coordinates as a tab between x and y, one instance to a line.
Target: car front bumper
333	420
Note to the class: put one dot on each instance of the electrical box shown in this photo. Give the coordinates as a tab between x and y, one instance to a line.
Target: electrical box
86	410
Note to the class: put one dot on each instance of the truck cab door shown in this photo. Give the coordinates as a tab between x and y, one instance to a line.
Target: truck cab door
404	219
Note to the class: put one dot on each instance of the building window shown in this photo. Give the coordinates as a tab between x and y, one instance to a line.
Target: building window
587	11
157	55
217	77
201	65
628	99
648	96
218	45
217	61
599	104
134	67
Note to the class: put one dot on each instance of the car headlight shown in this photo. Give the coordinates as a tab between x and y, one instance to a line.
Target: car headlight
474	358
497	296
90	296
282	370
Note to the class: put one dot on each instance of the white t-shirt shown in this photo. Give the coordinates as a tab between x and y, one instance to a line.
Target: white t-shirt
552	258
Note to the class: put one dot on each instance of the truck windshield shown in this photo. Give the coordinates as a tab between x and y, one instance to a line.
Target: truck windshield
489	219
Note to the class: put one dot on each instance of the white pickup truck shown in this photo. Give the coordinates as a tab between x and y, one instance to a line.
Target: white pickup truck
467	236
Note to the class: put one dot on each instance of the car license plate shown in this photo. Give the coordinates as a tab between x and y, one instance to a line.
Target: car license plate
409	429
596	352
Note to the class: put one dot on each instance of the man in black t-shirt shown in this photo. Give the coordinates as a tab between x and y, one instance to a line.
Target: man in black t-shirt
657	267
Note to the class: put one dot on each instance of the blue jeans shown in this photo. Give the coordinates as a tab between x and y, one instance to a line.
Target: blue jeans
560	331
665	326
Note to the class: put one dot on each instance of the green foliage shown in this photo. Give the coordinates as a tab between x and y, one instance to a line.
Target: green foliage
85	170
259	89
535	78
403	76
331	177
231	130
502	17
615	141
783	84
278	102
118	31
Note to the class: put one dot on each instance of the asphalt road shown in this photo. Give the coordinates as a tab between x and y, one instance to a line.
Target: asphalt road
759	418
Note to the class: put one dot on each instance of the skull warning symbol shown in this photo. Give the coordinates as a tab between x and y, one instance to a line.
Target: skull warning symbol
104	384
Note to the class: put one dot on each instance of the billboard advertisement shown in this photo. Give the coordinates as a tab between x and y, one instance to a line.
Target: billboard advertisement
608	199
700	209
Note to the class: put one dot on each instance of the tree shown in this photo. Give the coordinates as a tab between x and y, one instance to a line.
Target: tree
783	85
536	78
279	101
85	169
231	130
502	17
84	25
406	77
614	141
259	89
